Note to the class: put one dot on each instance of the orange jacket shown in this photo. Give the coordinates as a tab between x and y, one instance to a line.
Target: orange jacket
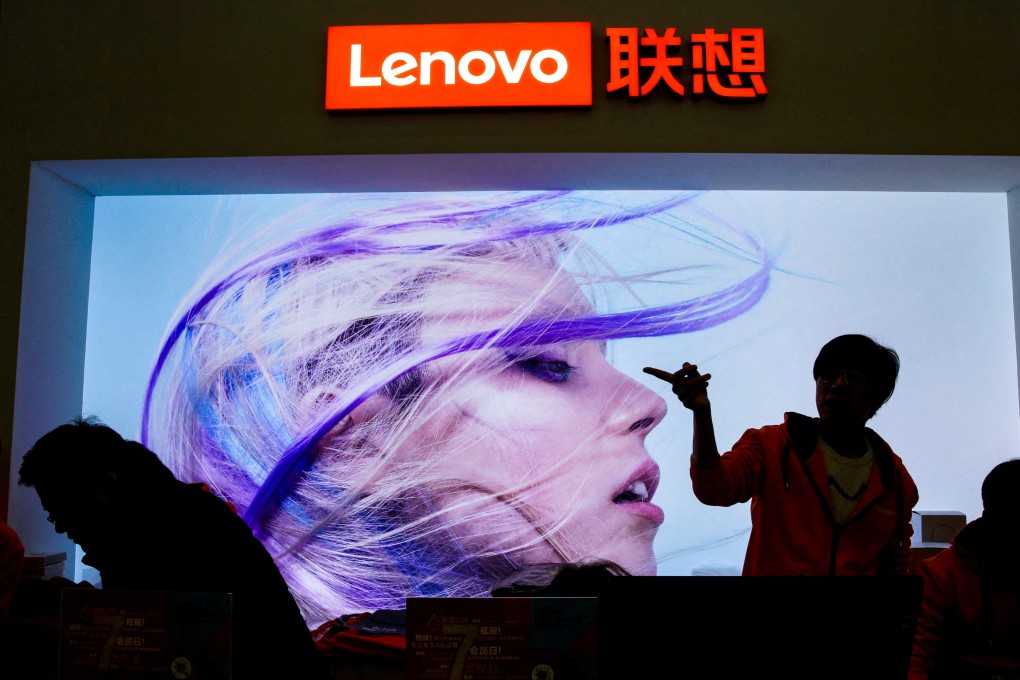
12	552
969	622
781	471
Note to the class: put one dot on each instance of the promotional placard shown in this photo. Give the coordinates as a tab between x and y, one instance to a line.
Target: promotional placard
501	638
145	634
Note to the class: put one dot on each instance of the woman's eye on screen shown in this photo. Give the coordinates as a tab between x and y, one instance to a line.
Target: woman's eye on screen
544	368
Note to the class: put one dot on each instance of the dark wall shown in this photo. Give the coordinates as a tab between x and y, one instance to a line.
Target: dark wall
107	79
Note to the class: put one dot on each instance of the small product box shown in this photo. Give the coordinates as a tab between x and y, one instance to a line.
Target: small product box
937	526
44	566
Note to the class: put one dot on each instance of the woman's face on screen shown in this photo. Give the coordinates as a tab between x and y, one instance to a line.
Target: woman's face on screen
545	458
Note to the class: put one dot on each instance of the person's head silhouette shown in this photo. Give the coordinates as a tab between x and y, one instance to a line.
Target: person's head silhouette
999	494
86	474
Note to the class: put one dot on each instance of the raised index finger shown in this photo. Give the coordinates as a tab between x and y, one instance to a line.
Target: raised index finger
659	373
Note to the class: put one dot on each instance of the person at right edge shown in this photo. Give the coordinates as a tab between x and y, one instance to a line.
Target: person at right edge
969	624
828	495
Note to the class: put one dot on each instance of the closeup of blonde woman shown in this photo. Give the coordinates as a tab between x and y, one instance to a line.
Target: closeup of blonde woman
415	398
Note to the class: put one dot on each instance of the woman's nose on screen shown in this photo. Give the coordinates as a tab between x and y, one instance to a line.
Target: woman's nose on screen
634	408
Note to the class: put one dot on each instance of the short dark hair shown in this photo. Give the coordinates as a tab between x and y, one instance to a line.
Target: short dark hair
999	490
85	447
879	364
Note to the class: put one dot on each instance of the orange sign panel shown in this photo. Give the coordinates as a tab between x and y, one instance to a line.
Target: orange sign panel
459	65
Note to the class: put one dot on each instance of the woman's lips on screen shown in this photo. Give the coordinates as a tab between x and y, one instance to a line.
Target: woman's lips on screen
636	495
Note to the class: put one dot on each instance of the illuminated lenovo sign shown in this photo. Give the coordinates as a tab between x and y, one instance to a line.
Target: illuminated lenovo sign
459	65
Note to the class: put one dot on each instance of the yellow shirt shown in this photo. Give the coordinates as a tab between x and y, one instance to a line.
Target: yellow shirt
848	477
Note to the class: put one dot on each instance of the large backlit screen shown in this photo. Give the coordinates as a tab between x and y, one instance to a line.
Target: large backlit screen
416	391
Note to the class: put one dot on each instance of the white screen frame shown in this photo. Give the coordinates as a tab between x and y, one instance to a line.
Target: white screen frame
62	195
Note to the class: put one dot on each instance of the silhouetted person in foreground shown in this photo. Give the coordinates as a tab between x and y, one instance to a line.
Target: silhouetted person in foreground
145	530
969	623
828	495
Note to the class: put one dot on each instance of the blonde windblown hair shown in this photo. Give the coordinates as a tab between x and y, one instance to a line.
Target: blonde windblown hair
264	380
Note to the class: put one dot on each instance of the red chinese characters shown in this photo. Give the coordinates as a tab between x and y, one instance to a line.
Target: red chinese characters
726	65
625	60
735	56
